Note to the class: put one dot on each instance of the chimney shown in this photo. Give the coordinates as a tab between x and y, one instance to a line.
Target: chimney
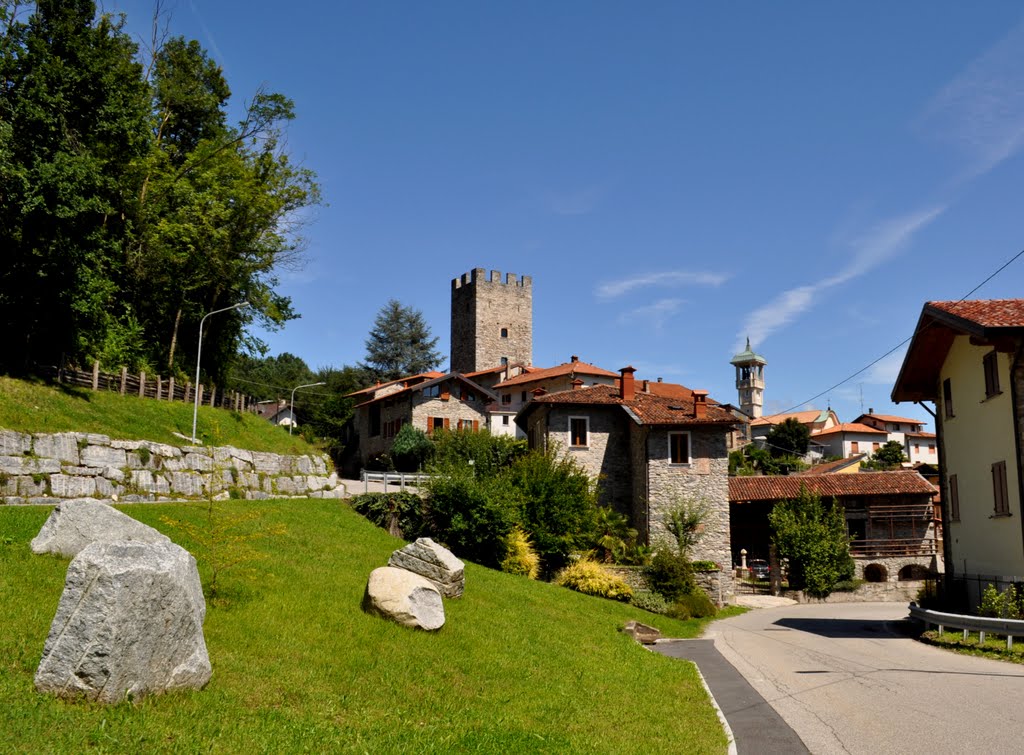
647	386
577	384
659	380
700	404
539	391
574	359
627	388
871	410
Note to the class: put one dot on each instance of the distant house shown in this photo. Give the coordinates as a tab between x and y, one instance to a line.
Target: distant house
968	358
849	438
650	451
889	516
918	445
444	401
815	420
276	412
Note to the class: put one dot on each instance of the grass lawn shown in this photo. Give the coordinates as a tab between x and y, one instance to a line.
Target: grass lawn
993	647
520	666
38	407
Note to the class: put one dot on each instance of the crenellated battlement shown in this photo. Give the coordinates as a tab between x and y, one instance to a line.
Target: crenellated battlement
478	275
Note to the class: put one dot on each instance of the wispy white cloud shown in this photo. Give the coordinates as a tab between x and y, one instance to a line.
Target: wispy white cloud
885	371
982	108
666	279
577	202
868	250
653	315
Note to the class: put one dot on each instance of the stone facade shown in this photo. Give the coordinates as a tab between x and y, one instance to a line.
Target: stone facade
492	319
48	468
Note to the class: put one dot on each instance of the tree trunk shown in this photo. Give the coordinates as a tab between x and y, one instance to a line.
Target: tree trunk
174	340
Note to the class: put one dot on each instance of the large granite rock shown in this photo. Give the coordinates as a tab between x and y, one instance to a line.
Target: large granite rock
129	624
405	598
433	561
74	524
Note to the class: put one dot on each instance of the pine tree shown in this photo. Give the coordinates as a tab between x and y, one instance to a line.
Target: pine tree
400	343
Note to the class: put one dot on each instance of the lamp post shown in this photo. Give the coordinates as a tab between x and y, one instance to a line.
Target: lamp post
291	422
199	352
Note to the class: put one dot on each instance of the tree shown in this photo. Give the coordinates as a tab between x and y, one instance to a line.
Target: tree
814	539
790	438
410	449
889	456
400	343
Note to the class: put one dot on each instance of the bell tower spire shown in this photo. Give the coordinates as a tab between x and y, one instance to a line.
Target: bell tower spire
750	380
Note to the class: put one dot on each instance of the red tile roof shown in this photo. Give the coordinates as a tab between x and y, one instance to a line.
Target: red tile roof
647	408
804	418
421	377
568	368
989	313
777	488
848	427
500	368
893	418
920	435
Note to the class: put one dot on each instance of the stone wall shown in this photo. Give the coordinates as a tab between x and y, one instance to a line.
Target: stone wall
606	455
481	307
705	480
872	592
47	468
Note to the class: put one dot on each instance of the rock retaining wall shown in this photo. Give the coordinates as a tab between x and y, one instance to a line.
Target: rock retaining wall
48	468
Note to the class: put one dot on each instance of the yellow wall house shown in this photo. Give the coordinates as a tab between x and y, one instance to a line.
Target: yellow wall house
968	358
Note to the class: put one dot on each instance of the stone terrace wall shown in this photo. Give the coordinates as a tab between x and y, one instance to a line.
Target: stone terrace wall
47	468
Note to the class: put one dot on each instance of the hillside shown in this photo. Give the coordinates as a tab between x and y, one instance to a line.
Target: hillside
37	407
520	666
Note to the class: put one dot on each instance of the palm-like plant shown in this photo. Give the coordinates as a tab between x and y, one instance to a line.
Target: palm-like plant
614	534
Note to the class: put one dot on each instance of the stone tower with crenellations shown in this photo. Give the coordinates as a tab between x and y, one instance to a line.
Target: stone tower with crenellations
492	320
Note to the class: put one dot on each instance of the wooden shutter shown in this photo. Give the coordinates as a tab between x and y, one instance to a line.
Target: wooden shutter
430	425
447	422
476	425
954	498
1000	491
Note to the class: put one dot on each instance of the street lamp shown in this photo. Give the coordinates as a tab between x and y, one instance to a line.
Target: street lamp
199	351
292	418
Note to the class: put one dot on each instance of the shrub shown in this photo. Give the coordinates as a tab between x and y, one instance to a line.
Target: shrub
613	535
491	454
411	449
401	514
669	574
520	557
704	566
695	605
847	585
1008	604
144	455
649	601
558	504
472	516
591	578
685	522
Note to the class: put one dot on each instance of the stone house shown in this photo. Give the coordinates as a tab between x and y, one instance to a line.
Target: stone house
647	451
276	412
889	516
968	358
446	401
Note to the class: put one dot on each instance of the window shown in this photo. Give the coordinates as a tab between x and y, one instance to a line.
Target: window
947	398
504	361
504	420
578	430
854	447
931	448
506	398
436	423
432	391
522	397
954	498
504	332
991	365
679	448
999	489
374	420
875	446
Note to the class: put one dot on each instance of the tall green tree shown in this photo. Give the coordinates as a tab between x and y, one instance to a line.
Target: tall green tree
400	343
813	537
789	438
75	109
889	456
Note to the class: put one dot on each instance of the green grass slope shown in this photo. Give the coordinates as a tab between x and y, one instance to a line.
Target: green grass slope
37	407
520	666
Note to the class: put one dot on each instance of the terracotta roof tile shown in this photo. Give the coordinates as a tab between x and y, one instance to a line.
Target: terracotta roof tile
419	378
989	313
831	466
648	408
848	427
776	488
894	418
803	418
568	368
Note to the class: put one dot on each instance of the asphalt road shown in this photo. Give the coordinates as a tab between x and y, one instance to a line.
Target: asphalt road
848	680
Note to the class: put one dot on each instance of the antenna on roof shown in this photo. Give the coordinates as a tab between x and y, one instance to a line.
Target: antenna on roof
860	387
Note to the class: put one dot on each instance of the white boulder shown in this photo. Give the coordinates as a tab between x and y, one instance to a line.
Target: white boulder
435	562
74	524
405	598
129	624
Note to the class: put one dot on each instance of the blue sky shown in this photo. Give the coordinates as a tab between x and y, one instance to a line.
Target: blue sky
674	176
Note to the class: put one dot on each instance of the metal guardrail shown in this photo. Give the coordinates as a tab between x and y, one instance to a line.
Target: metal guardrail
392	478
1010	628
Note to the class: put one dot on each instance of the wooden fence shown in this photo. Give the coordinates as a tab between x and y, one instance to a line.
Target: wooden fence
151	386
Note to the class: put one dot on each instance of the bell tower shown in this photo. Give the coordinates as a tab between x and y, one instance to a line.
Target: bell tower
750	380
